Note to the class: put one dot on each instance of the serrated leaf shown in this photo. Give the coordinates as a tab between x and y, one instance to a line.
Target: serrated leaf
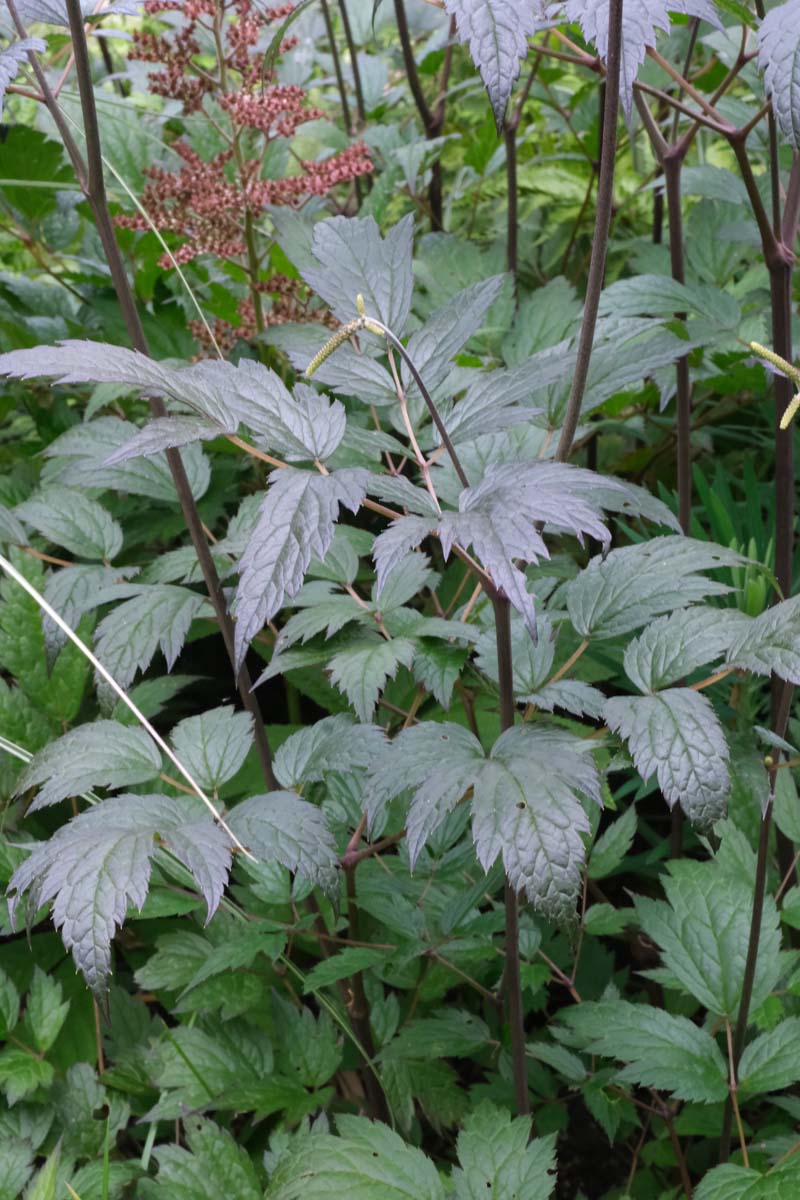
437	667
771	642
677	736
572	696
16	1167
641	19
361	669
497	33
367	1161
341	965
450	1033
497	1160
437	762
79	455
352	259
210	1166
661	1050
45	1011
280	827
164	433
779	59
98	863
69	518
434	346
73	591
703	931
532	661
612	846
771	1061
9	1004
308	1049
296	523
241	949
12	59
157	619
731	1182
214	744
332	744
11	530
674	646
636	583
22	1073
99	754
493	401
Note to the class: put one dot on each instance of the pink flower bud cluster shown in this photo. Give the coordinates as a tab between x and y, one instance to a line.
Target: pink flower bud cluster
206	203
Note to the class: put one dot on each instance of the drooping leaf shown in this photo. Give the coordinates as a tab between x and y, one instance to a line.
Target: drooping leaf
214	744
497	1160
296	523
98	863
99	754
661	1050
779	59
280	827
641	19
70	518
157	619
497	33
677	736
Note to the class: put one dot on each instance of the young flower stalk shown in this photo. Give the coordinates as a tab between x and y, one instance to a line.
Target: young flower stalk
786	369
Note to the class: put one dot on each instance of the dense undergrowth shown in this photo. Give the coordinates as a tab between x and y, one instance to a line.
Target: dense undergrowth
397	626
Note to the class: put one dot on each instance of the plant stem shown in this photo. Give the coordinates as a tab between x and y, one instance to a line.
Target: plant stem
430	121
512	985
605	200
90	175
510	131
337	65
358	1005
351	46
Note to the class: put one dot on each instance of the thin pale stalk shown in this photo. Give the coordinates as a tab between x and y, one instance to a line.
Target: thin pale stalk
121	694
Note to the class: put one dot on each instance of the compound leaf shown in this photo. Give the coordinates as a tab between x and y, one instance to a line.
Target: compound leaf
497	1159
361	669
98	863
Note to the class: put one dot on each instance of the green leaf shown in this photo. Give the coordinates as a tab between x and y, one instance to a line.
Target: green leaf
280	827
21	1073
45	1011
367	1161
361	669
612	846
677	736
99	754
353	259
498	1161
296	523
661	1050
636	583
16	1167
772	1060
497	33
308	1048
703	931
69	518
44	1186
210	1167
99	862
731	1182
240	949
214	744
674	646
157	619
451	1033
332	744
9	1004
771	642
344	963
